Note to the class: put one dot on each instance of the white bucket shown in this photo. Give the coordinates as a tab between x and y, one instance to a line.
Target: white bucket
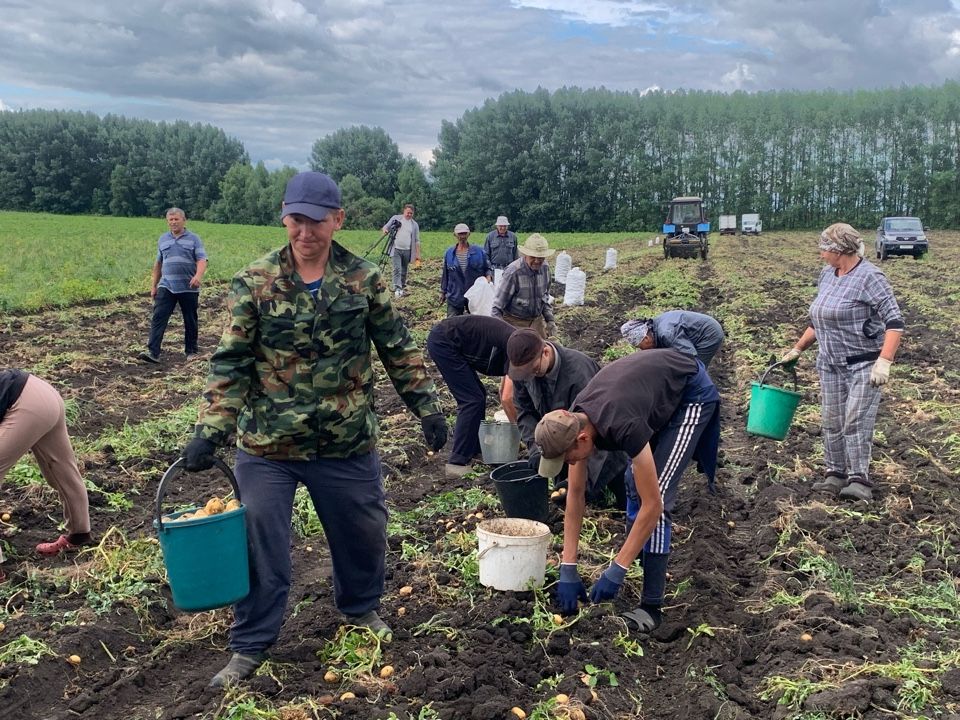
513	553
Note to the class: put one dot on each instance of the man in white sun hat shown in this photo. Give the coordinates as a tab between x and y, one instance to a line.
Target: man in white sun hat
501	244
523	298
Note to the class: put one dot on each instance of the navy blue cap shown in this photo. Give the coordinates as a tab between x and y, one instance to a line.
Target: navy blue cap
312	194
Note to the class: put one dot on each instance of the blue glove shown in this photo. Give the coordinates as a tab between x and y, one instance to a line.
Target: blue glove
434	431
570	589
607	587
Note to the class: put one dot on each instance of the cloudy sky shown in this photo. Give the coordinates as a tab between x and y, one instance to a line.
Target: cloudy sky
278	74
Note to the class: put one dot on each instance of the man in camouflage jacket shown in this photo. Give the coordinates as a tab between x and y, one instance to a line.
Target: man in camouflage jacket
292	376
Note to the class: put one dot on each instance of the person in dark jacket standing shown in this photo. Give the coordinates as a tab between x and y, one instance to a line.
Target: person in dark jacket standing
691	333
547	376
461	347
661	408
32	418
463	264
293	379
500	244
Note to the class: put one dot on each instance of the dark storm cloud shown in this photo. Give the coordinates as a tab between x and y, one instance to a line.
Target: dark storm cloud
279	73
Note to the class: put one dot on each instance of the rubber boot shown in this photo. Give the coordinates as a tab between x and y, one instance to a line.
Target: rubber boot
831	484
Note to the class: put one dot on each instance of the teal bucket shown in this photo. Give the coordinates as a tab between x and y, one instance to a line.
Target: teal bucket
771	408
206	558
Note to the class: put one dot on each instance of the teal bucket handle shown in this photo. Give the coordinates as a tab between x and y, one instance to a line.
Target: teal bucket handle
790	371
177	469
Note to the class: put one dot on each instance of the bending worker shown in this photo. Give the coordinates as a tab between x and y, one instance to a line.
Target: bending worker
661	408
691	333
547	376
462	346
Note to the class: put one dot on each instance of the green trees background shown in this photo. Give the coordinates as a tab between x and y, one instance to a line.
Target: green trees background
569	160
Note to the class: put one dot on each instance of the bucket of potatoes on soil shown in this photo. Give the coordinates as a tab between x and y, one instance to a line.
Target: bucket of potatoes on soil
512	553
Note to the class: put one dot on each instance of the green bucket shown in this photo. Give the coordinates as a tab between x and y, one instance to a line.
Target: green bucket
771	408
206	558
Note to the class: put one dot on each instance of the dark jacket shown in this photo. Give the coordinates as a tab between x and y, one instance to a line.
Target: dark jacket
501	250
454	283
480	340
556	390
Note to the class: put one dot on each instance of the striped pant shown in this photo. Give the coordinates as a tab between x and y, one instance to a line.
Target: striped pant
849	406
672	446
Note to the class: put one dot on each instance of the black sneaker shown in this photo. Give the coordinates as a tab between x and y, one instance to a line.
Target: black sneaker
149	357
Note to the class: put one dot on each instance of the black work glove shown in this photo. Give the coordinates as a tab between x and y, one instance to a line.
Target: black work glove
533	460
434	431
199	454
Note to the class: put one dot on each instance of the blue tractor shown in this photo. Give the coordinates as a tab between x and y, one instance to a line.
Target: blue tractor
686	229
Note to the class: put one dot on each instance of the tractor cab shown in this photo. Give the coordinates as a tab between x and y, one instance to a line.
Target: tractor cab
685	229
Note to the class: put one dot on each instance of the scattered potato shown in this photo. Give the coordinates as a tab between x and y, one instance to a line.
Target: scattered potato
806	637
558	619
478	515
309	548
401	611
331	677
406	591
562	699
731	524
518	712
2	627
576	713
429	453
5	517
386	671
74	660
347	696
555	494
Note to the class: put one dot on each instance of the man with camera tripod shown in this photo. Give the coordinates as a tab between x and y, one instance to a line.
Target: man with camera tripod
404	246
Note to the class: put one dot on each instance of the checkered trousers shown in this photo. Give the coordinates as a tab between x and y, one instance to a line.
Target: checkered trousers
849	406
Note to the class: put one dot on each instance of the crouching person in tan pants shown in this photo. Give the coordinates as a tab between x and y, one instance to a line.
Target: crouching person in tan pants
32	417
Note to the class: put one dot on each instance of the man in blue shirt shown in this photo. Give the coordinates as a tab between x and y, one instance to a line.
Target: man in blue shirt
179	268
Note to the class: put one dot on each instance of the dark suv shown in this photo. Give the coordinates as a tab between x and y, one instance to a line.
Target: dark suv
901	236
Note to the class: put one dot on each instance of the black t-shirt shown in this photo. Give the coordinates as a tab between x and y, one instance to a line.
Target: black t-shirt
632	398
481	340
11	385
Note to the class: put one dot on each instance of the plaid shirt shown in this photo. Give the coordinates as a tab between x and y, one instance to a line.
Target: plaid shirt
851	313
524	292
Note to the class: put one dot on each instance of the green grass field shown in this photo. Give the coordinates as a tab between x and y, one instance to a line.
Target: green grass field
111	257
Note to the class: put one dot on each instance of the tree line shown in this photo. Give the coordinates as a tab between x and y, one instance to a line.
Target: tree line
569	160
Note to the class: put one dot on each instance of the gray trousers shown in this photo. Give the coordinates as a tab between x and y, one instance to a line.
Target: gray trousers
849	412
401	261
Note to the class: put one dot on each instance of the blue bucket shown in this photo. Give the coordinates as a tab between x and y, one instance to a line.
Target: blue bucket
206	558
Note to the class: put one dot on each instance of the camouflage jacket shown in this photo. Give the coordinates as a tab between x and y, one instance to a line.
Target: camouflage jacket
293	375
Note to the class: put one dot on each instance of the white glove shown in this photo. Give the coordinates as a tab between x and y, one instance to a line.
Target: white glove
881	372
790	356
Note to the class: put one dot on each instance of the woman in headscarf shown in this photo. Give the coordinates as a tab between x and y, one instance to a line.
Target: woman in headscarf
857	324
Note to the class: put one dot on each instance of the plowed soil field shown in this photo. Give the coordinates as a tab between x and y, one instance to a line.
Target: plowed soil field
782	603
